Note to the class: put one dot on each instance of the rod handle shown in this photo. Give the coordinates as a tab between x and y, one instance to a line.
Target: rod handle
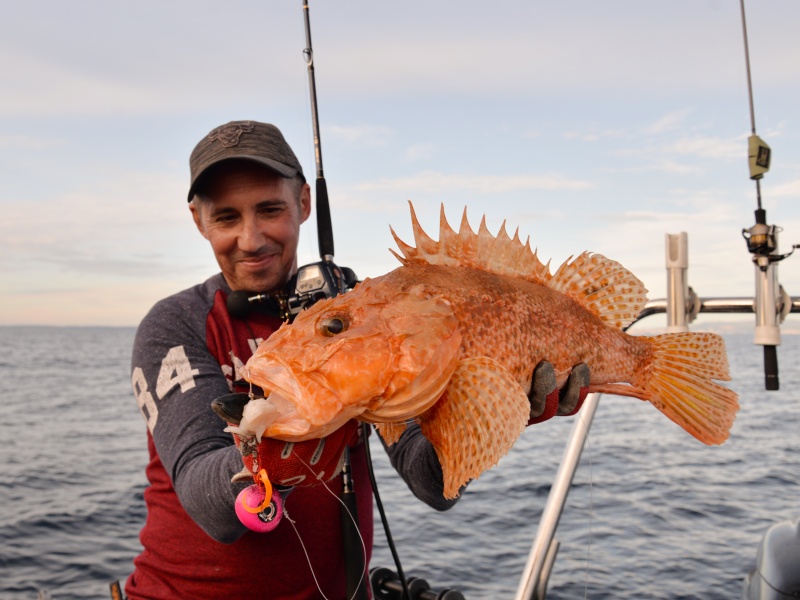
771	368
324	226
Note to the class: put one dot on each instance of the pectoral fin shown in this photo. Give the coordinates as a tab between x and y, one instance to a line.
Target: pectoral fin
390	432
476	421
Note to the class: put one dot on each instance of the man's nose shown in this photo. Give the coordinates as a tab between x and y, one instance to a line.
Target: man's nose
251	238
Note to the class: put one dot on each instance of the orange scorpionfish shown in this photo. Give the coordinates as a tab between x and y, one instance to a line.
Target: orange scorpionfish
450	339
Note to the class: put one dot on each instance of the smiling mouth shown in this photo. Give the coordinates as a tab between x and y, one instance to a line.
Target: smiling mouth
256	262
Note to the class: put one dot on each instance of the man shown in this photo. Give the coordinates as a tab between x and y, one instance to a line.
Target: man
248	198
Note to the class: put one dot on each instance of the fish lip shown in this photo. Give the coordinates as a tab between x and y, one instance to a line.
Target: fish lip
276	376
268	379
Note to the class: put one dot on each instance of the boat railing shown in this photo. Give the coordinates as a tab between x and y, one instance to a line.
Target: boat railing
770	305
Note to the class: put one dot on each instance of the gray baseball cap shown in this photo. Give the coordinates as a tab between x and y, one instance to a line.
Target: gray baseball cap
247	140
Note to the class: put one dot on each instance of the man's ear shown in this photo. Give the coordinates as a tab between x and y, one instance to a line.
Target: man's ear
198	218
305	202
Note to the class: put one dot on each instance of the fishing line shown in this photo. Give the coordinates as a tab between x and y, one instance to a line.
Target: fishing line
352	518
750	93
303	546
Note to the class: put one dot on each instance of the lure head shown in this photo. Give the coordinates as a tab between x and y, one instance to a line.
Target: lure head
378	353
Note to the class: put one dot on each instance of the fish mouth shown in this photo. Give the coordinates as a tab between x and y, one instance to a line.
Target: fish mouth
290	409
272	416
276	412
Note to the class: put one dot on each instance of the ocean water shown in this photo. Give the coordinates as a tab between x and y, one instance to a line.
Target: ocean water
652	513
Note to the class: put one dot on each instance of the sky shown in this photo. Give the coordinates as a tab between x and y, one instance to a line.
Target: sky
598	125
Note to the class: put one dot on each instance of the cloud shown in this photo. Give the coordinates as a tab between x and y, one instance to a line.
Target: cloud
420	152
686	155
47	88
668	122
788	189
125	226
434	182
369	135
96	60
29	142
652	164
594	136
708	147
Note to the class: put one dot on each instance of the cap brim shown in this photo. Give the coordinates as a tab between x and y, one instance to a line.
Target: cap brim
273	165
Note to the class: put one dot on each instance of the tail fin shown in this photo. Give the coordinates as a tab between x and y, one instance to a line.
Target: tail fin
679	381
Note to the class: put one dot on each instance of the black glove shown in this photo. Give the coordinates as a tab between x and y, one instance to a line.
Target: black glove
547	400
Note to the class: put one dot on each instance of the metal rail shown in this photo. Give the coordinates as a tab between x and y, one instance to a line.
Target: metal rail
542	555
714	305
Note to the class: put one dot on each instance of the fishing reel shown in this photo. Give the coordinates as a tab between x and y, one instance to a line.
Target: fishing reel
312	283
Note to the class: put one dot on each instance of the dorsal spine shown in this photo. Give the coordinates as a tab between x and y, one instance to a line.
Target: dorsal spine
602	286
496	254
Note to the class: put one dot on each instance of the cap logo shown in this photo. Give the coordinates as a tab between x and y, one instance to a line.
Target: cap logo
228	135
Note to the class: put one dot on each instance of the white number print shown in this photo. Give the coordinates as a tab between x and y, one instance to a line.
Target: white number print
175	370
147	405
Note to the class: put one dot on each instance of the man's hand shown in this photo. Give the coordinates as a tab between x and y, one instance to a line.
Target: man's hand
548	401
300	463
287	463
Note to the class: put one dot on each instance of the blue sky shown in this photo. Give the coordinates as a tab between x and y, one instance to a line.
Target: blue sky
589	124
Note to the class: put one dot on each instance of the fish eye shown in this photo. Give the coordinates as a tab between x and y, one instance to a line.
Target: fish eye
333	325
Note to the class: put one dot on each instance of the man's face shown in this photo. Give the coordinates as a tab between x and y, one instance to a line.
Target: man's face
252	219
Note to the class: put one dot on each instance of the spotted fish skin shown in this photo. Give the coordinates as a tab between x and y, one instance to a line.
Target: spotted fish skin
450	339
519	324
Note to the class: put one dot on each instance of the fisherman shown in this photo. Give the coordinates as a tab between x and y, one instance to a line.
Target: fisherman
248	197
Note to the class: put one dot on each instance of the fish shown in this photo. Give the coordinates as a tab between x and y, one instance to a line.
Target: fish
450	339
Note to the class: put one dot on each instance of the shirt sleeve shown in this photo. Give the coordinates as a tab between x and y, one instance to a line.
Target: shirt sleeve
175	379
415	459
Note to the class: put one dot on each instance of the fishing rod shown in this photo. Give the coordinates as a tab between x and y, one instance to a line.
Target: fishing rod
772	304
324	226
384	582
355	579
356	586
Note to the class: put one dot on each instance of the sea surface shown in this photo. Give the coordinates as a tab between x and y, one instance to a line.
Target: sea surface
652	513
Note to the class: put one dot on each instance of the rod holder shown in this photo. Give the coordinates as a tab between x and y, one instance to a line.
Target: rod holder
682	303
768	305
